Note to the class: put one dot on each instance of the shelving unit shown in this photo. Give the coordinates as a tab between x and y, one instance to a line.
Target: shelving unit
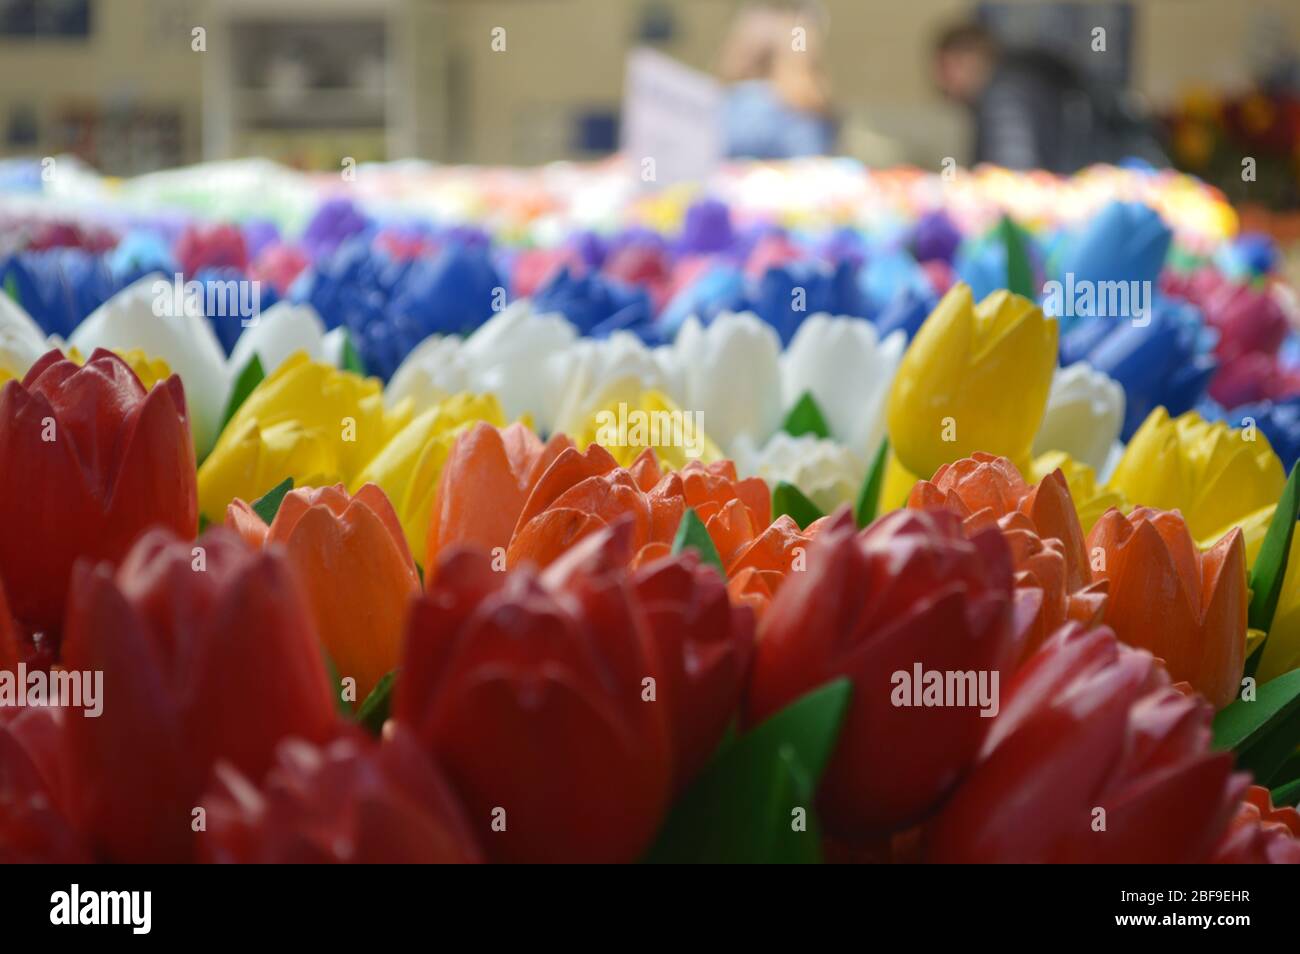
311	81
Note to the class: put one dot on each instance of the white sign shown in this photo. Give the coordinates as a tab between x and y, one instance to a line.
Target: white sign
672	120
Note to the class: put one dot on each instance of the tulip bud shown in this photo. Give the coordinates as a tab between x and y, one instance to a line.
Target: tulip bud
92	460
910	592
1166	596
1094	758
975	378
199	664
350	801
354	567
529	690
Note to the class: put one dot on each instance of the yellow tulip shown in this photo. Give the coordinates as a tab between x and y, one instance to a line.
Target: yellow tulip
1090	500
1219	477
408	467
975	378
309	421
1282	651
897	485
628	418
1253	527
148	369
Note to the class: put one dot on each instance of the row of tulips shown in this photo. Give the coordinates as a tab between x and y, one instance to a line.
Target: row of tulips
732	370
596	644
1217	334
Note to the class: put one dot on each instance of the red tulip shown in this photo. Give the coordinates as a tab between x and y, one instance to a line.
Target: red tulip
211	246
208	652
704	644
10	647
1261	833
351	800
279	266
1248	320
530	691
34	810
910	590
91	460
1095	757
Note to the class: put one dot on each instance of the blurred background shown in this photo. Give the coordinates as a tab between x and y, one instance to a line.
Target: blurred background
131	86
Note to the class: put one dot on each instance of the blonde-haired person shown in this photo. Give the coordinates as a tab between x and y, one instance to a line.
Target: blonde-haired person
778	103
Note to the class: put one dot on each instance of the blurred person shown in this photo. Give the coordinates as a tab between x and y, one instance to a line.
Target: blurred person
778	102
1034	110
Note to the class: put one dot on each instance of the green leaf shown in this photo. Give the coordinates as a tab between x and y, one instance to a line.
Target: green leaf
1252	661
742	807
789	499
11	288
1287	794
1266	731
268	505
1270	566
868	505
249	378
351	357
1020	276
204	522
1289	772
374	711
691	532
1267	757
806	418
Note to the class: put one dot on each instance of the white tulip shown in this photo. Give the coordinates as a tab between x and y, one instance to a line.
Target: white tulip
731	372
848	370
510	355
21	340
1085	411
280	331
433	371
140	317
590	369
828	473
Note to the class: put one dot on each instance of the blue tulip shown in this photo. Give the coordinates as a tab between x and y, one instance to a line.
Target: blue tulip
1125	241
1278	420
1167	362
907	311
59	286
597	305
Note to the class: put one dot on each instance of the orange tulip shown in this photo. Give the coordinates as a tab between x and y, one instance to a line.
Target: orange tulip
759	568
581	492
1040	525
484	485
1261	832
505	488
1166	596
353	562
